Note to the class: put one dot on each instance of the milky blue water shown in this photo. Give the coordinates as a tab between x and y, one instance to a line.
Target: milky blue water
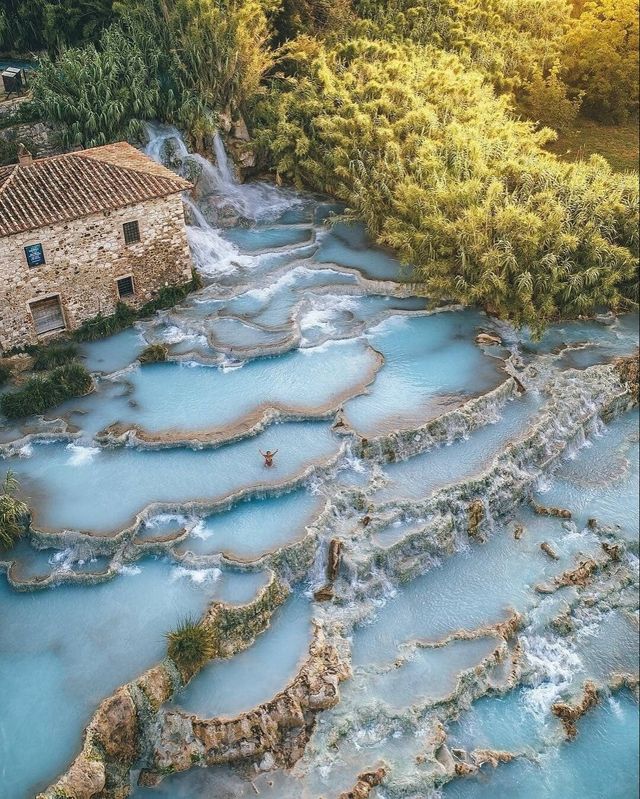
431	365
418	477
601	762
601	480
252	677
253	528
207	398
64	650
473	588
292	318
75	488
348	245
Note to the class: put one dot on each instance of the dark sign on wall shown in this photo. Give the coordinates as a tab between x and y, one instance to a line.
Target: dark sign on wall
34	254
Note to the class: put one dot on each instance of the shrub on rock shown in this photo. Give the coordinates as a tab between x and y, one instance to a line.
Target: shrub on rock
191	645
154	353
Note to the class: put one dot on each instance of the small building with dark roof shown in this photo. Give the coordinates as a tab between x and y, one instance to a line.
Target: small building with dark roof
83	231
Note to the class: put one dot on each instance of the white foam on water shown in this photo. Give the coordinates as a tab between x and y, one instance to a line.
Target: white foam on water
230	365
26	451
327	345
551	667
213	254
168	518
197	576
287	279
128	571
63	560
199	530
324	308
81	455
616	707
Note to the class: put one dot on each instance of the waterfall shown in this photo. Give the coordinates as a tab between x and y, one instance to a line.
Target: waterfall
224	168
217	183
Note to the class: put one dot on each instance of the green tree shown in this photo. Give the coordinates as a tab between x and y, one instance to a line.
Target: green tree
424	152
546	99
600	58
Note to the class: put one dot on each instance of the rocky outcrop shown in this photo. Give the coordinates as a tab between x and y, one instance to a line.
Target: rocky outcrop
476	514
577	401
570	714
628	370
488	339
580	576
334	559
365	784
546	547
543	510
444	429
274	734
492	757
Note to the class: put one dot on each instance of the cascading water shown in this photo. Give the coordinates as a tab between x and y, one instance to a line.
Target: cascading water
405	512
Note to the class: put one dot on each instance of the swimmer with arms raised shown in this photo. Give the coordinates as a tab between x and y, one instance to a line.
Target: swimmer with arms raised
268	457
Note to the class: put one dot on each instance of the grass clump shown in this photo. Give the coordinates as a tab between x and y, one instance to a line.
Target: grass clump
101	326
54	355
191	645
5	374
41	393
13	513
154	353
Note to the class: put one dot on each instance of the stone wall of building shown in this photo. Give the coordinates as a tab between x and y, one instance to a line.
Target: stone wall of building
84	259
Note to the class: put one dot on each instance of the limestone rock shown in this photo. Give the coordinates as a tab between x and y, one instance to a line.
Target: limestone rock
627	369
546	547
276	732
491	756
569	714
465	769
84	780
580	575
542	510
488	339
115	727
365	784
156	685
475	515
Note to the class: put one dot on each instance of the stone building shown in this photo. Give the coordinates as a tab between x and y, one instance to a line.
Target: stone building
81	232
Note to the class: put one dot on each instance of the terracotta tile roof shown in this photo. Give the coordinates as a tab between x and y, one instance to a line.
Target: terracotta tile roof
66	187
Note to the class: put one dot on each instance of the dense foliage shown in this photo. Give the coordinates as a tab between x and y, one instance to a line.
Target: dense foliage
180	62
440	170
34	25
39	394
13	513
154	353
601	57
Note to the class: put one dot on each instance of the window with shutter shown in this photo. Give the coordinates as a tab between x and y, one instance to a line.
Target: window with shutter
47	315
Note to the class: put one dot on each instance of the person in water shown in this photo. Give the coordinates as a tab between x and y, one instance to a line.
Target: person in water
268	457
